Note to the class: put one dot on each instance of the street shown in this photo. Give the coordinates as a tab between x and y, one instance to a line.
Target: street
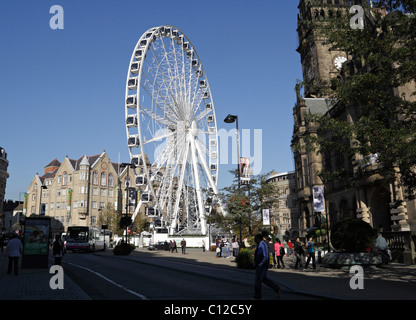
104	275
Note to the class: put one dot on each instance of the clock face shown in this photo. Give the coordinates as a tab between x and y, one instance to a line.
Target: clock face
338	61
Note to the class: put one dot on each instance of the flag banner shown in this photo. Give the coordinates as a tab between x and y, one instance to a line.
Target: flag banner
244	170
318	199
266	217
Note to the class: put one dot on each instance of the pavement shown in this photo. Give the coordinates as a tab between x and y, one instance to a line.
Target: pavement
391	282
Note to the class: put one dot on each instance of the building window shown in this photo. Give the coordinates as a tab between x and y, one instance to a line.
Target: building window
64	178
93	220
102	192
94	204
69	178
95	178
110	180
103	179
95	191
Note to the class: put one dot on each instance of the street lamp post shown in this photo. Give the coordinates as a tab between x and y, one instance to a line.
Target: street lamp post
128	165
231	119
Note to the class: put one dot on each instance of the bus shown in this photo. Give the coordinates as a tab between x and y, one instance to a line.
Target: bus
85	239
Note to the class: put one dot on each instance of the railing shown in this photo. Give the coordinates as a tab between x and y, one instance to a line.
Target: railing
402	244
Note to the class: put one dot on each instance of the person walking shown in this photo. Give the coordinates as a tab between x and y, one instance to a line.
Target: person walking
183	245
381	245
58	250
203	245
299	253
310	246
235	247
2	238
14	249
280	252
289	248
261	263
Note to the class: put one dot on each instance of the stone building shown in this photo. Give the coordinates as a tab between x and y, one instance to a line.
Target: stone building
12	215
4	163
285	213
367	199
74	192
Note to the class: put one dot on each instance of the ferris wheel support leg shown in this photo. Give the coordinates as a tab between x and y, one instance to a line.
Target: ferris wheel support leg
201	207
207	171
136	211
180	186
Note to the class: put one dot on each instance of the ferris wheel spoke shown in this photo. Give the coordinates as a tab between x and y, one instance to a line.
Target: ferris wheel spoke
170	93
163	121
163	98
173	77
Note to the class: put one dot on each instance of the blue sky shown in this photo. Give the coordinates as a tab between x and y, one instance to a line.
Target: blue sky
62	91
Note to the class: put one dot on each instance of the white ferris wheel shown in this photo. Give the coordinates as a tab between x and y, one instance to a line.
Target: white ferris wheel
171	131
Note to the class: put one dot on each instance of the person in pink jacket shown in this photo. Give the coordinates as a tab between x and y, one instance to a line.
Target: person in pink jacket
278	246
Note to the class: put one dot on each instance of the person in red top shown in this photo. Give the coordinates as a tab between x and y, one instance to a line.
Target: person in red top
290	247
277	247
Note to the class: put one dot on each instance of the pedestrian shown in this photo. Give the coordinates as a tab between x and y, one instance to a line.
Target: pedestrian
310	246
235	247
299	253
280	252
2	238
289	248
58	250
228	248
222	249
261	263
170	246
203	245
183	245
14	249
381	245
175	247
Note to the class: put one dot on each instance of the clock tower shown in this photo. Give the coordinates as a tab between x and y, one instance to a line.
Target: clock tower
319	62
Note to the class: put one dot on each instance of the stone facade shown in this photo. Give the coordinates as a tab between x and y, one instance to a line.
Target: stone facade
4	163
366	199
285	212
75	191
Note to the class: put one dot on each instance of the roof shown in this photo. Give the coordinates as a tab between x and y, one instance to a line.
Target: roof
54	163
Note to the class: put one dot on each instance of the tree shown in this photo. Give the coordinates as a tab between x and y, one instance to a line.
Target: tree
381	127
109	216
244	204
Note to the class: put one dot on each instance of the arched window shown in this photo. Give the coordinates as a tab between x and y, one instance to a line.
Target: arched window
95	178
64	178
110	180
103	179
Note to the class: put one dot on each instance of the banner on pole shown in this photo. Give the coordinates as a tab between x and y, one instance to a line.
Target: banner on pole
266	217
244	170
318	199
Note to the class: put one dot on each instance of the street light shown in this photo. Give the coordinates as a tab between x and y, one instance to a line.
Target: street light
231	119
128	165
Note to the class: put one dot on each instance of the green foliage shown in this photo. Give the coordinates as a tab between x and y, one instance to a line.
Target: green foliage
245	259
352	235
243	205
382	57
123	248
